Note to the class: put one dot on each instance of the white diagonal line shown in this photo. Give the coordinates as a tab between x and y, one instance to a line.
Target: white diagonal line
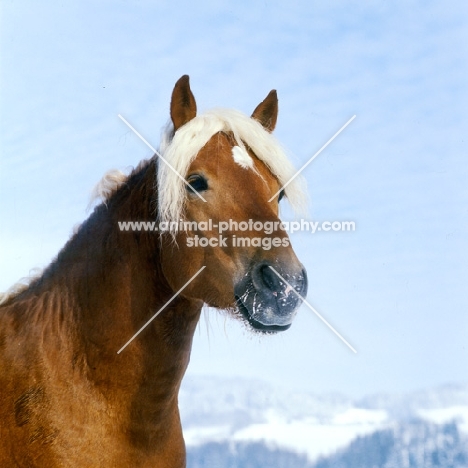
158	154
315	312
313	157
161	309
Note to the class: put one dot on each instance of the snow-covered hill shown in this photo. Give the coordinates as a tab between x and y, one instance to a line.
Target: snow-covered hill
246	411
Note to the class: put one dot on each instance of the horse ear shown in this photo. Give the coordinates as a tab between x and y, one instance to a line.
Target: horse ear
183	105
267	111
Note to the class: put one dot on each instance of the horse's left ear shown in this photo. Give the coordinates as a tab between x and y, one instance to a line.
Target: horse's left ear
267	111
183	105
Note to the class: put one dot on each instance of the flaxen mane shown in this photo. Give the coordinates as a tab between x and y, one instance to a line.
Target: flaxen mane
180	149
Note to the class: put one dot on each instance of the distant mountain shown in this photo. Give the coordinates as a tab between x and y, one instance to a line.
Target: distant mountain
415	444
243	455
407	405
253	421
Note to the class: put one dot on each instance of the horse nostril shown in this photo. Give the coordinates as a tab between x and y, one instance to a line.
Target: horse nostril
269	278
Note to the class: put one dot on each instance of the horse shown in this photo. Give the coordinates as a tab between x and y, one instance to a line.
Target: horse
70	395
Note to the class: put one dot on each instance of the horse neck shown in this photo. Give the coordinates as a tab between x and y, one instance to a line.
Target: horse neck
114	283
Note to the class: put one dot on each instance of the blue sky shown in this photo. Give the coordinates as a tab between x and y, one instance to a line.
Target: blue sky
395	288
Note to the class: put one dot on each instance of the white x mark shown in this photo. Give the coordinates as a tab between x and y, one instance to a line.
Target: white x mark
290	288
313	157
158	154
161	309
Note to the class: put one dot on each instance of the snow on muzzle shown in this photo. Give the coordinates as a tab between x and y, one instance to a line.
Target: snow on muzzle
267	300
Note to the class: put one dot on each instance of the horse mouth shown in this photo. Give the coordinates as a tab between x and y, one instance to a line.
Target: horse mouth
255	324
267	300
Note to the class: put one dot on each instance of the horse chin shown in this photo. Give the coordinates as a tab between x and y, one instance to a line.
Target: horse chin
259	324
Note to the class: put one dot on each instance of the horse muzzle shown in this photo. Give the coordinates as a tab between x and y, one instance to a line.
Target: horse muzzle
269	295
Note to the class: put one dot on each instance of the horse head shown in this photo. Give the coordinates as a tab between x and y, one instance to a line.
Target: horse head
225	216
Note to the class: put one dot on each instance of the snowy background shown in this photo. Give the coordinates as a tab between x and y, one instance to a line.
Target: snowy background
395	288
238	422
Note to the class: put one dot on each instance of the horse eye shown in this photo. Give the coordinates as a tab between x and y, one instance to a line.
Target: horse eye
281	195
197	183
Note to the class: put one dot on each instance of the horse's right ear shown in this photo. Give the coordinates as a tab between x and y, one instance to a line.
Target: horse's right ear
183	105
267	111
